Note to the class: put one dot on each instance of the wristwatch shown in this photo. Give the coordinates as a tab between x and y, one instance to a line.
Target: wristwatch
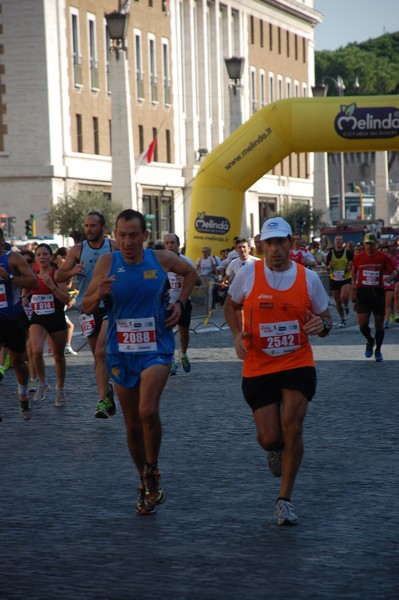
182	304
10	276
327	326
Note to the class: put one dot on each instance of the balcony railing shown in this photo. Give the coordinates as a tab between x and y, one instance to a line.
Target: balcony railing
94	75
140	86
77	71
167	92
154	89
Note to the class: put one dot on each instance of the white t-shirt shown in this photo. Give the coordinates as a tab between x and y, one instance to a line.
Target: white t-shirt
280	280
205	265
175	281
237	264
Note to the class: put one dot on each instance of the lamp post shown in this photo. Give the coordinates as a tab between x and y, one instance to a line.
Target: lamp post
123	172
235	67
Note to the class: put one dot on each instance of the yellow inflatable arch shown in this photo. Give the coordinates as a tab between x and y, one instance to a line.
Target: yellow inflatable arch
336	124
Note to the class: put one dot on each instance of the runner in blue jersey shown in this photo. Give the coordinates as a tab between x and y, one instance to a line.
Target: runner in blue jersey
140	340
15	273
80	263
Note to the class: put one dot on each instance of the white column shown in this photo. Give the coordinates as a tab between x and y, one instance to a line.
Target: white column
123	173
381	187
321	195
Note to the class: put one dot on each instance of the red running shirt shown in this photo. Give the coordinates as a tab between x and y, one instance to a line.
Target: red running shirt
370	269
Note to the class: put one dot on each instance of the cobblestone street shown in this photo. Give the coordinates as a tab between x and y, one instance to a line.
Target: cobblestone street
68	528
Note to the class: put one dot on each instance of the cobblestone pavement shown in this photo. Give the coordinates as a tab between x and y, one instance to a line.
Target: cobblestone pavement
68	529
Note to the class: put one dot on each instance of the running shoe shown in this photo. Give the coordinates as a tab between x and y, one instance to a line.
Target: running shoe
1	372
60	398
153	491
41	391
141	507
397	318
274	461
378	356
386	325
69	351
107	407
369	349
111	406
185	363
32	386
173	368
284	512
346	308
342	323
25	408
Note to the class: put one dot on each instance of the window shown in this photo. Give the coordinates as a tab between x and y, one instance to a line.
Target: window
107	56
141	138
280	88
167	92
79	133
304	50
110	136
96	137
279	39
252	29
154	135
296	88
162	208
289	92
168	147
254	103
288	43
271	87
76	56
261	33
270	37
296	46
139	64
93	54
153	69
262	85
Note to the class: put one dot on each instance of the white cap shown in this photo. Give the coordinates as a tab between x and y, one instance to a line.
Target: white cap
276	227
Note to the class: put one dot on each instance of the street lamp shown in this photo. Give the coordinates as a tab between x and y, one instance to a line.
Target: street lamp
123	172
320	90
117	23
235	67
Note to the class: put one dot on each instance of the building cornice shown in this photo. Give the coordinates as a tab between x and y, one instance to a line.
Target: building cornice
296	9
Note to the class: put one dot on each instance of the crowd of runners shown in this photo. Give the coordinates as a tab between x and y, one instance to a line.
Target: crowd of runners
131	296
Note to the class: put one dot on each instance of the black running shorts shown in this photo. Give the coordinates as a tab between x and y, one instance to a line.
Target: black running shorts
13	332
371	300
266	389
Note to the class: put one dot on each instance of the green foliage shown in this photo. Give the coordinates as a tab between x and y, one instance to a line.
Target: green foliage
67	216
375	64
303	219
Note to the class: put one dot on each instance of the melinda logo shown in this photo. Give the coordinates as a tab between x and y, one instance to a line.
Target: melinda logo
365	123
211	224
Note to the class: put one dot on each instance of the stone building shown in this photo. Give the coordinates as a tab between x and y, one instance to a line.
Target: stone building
74	117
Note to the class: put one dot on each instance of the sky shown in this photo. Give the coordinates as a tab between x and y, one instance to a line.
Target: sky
348	21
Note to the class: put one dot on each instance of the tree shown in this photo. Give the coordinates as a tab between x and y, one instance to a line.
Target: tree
374	63
303	219
67	216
